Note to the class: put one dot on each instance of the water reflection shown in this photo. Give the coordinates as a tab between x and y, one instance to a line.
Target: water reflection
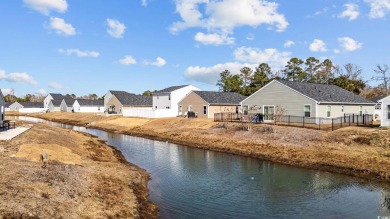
193	183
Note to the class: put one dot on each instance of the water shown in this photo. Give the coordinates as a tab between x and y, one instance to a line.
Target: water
194	183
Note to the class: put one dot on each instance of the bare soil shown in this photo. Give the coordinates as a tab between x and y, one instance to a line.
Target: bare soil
84	178
355	151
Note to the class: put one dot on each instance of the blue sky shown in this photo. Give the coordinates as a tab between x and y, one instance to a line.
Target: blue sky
83	47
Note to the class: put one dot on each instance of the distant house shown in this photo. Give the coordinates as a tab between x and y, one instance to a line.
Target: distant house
88	106
30	107
15	106
55	105
7	105
52	96
385	115
206	103
2	107
67	104
125	103
378	107
166	100
305	99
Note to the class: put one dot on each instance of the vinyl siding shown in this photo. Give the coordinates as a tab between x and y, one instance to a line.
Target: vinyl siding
278	95
15	106
384	117
196	102
115	102
336	110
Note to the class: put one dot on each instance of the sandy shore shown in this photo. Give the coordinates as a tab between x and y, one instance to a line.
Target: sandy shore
355	151
84	178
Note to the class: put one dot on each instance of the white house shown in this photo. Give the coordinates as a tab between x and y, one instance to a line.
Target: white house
55	105
167	100
385	116
15	106
31	107
52	96
67	104
2	107
88	106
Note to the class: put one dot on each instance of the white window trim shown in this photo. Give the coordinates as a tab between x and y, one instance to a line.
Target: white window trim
206	109
243	108
305	111
264	110
330	111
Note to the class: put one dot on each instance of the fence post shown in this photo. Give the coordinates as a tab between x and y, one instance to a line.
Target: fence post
332	124
319	124
289	119
349	120
341	122
303	121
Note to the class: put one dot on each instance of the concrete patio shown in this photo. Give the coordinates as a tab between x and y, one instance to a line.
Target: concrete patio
12	133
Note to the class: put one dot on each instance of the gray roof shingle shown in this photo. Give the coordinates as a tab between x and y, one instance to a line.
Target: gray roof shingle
56	102
57	96
170	89
32	104
129	99
86	102
69	100
220	98
325	93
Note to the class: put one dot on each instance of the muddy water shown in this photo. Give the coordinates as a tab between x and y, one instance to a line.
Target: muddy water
192	183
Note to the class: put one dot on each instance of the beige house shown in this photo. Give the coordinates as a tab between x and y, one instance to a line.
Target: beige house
123	101
206	103
306	99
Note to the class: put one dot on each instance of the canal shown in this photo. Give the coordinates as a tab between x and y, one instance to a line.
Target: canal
188	182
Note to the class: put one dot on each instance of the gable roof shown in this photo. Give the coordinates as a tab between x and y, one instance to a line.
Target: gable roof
86	102
377	99
57	96
31	104
138	100
325	93
56	102
170	89
7	104
69	100
220	98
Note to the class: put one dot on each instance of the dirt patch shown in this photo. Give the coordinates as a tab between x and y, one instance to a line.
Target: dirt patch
84	178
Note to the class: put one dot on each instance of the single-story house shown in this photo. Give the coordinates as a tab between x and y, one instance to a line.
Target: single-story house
108	96
166	100
385	115
67	104
52	96
2	107
129	104
15	106
7	105
55	105
305	99
206	103
32	107
88	106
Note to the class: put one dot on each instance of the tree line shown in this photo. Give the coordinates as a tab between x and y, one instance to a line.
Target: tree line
311	70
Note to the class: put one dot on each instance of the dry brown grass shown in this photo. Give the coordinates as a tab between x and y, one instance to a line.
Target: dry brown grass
84	178
355	151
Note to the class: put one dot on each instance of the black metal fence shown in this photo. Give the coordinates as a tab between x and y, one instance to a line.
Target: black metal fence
319	123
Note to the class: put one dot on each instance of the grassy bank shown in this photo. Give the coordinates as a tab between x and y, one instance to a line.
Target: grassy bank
363	152
84	178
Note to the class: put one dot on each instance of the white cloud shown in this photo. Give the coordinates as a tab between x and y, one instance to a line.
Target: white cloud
245	57
318	46
61	27
214	39
349	44
159	62
257	56
115	29
127	60
226	15
379	8
57	86
6	91
336	51
41	92
17	77
46	6
79	53
144	3
288	44
351	11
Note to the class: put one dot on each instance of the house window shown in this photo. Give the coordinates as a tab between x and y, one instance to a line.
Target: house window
155	107
307	110
180	110
189	108
236	109
361	110
388	111
245	109
169	97
342	109
328	110
167	107
205	110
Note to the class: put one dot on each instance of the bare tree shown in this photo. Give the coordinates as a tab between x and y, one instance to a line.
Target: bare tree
352	71
383	76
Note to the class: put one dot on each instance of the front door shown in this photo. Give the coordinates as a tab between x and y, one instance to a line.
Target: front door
269	112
